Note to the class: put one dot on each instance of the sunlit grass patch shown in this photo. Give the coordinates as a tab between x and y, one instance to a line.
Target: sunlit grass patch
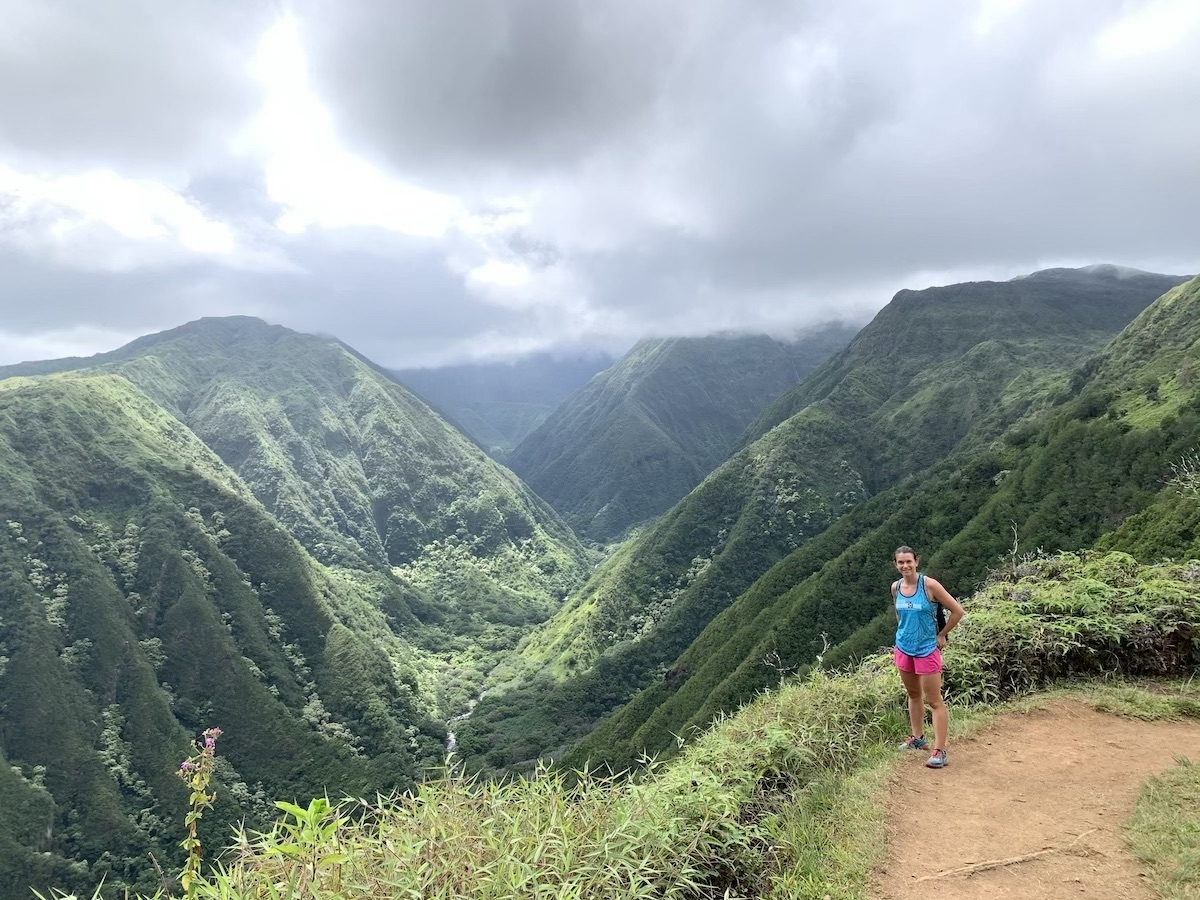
833	833
1150	701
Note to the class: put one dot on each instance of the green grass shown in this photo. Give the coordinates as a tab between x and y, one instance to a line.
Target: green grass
1152	701
719	823
834	833
787	799
1164	831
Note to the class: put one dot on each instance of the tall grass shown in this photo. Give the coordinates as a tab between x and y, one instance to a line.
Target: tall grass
706	827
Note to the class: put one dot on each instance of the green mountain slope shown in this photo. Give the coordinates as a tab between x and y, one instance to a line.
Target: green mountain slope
948	352
359	470
642	434
1097	467
145	595
498	404
233	524
899	408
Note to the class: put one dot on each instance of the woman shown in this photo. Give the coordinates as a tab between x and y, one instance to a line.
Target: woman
918	652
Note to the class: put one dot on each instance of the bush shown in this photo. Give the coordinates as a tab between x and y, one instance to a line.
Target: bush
1075	616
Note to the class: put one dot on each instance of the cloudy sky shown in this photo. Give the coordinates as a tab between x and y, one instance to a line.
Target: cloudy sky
445	180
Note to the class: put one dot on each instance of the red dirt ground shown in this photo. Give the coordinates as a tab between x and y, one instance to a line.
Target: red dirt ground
1031	807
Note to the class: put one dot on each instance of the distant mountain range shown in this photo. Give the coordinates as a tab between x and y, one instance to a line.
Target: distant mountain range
640	435
499	404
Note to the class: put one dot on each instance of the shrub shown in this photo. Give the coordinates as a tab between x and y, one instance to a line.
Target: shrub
1075	616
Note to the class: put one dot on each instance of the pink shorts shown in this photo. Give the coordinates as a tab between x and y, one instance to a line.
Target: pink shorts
921	665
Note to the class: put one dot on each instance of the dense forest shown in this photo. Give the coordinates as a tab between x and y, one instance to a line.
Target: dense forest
233	524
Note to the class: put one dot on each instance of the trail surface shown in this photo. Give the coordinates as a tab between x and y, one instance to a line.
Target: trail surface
1031	807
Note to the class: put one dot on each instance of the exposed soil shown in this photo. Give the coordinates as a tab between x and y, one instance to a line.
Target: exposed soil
1031	807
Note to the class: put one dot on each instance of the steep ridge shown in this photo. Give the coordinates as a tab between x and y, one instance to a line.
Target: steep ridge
1048	320
892	413
359	470
1095	467
145	595
640	435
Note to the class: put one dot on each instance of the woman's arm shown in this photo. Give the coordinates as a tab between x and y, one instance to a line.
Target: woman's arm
939	594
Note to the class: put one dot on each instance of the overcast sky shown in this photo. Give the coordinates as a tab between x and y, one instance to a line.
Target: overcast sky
445	180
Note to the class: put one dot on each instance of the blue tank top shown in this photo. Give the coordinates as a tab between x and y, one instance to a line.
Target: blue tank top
916	630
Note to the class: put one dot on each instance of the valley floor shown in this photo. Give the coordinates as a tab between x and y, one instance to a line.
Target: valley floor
1031	806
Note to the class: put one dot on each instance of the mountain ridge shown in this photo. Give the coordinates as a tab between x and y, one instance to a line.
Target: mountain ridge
1090	468
146	593
186	541
642	433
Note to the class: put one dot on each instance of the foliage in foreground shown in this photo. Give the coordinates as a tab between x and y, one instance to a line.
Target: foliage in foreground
710	826
1076	615
1164	831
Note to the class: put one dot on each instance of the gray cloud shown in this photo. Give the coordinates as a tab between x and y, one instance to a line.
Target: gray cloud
400	308
487	84
126	83
678	166
803	138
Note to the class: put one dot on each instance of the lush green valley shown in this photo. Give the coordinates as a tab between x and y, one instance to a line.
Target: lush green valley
639	436
742	578
1092	468
233	524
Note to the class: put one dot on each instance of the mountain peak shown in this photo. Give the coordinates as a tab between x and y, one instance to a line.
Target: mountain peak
1104	271
223	329
219	333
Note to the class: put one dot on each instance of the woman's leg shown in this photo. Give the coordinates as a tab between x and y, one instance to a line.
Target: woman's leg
931	687
916	709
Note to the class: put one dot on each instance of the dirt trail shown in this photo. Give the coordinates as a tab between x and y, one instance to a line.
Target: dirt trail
1035	804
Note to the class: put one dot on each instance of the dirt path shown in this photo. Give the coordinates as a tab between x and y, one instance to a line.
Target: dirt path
1040	796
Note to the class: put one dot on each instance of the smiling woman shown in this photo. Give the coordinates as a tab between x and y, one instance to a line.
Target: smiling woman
921	634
